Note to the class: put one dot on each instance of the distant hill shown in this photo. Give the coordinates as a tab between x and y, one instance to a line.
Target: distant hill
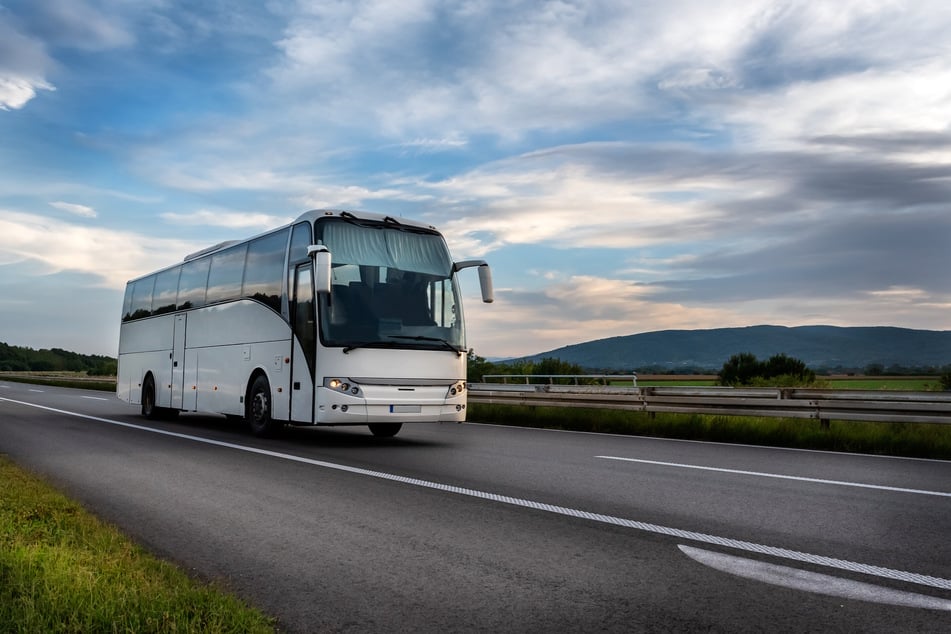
820	347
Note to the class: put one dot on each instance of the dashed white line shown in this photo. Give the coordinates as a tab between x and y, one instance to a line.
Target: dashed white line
779	476
814	582
94	398
783	553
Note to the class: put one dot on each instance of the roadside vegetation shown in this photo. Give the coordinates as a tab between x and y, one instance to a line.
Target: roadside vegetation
62	570
895	439
899	439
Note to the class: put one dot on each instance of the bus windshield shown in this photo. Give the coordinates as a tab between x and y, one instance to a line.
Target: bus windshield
391	286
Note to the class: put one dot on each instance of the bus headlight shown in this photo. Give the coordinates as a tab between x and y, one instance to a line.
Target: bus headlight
342	386
456	389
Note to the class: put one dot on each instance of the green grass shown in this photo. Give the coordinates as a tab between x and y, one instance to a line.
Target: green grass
912	383
898	439
62	570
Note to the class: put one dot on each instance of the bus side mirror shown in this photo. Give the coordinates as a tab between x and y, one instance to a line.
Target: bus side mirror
485	277
321	257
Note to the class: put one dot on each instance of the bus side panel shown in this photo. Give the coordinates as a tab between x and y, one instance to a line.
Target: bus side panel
225	344
146	346
301	388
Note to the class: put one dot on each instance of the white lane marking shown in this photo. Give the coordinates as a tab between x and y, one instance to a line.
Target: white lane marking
32	390
779	476
94	398
814	582
783	553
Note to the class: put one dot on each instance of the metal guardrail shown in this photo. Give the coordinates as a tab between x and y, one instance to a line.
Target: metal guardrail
823	405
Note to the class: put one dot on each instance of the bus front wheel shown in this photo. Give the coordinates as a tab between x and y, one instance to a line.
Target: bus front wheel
259	414
385	430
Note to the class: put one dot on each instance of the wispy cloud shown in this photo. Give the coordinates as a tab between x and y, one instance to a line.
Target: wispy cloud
110	256
228	219
75	209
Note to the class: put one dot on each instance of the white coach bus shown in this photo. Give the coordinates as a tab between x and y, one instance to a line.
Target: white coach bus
340	318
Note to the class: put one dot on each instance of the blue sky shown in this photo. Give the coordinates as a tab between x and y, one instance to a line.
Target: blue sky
624	166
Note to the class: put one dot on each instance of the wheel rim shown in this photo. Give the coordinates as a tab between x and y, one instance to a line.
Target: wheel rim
259	408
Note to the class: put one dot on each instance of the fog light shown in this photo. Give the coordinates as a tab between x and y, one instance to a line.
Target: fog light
458	408
344	408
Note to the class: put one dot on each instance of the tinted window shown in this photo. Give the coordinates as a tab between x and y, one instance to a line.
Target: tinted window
142	298
301	238
127	302
265	269
191	286
224	278
300	241
166	288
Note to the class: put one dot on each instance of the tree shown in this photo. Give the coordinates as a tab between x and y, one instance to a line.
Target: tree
746	369
740	369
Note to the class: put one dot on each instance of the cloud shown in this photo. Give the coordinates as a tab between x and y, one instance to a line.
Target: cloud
110	256
23	64
583	308
76	210
78	24
228	219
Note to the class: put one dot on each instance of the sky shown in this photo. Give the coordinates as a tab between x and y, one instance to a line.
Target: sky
624	167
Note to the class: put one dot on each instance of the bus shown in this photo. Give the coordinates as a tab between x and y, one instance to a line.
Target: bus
338	318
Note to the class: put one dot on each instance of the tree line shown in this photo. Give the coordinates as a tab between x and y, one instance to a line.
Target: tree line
742	369
21	359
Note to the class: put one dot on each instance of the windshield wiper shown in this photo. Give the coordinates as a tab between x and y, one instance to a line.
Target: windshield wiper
368	344
448	345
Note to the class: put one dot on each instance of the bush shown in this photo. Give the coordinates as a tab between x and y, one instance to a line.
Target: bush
779	370
946	380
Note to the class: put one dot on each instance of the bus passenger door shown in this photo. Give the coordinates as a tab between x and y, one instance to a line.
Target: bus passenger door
178	362
303	345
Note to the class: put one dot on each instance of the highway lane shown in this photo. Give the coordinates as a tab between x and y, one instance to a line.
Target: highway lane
314	528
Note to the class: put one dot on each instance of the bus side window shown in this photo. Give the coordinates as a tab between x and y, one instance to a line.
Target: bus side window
166	289
191	284
142	298
224	278
264	269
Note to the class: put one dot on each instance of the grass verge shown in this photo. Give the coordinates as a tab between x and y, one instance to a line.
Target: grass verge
896	439
62	570
64	379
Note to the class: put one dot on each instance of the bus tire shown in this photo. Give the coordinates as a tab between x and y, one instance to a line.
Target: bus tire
258	409
385	430
149	410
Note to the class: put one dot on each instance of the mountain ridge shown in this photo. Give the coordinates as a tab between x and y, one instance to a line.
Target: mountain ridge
819	346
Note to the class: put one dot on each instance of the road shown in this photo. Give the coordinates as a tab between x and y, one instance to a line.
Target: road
488	528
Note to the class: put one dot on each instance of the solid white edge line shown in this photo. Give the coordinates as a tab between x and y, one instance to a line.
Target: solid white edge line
778	476
783	553
814	582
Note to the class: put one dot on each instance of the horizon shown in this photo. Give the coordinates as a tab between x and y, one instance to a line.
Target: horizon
684	166
495	358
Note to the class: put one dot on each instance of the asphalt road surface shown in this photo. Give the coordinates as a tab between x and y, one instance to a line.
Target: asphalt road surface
483	528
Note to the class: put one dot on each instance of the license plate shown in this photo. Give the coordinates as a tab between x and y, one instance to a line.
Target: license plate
406	409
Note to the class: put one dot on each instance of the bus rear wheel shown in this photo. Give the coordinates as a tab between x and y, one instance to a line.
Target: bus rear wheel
385	430
258	409
149	410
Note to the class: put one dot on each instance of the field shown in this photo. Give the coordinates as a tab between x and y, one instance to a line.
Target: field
909	383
